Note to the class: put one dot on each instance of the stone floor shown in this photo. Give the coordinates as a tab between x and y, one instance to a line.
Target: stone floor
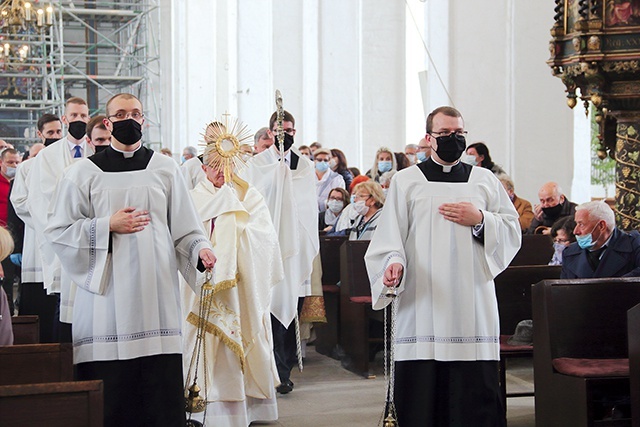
326	395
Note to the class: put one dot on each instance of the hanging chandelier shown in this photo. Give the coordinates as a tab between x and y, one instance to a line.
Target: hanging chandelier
19	16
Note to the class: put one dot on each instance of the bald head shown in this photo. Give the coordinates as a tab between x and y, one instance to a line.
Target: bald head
550	195
35	149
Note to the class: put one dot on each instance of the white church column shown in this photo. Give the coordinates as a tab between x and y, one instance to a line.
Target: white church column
382	77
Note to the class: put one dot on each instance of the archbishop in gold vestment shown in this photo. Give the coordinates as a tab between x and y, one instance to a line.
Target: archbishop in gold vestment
236	369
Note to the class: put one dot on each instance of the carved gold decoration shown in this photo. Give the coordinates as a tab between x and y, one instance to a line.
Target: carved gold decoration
621	66
593	43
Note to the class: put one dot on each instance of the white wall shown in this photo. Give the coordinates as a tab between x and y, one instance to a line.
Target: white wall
348	71
506	93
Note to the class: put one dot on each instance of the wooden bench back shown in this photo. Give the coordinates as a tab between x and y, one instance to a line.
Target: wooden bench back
536	249
353	272
36	363
513	291
584	318
26	329
62	404
330	258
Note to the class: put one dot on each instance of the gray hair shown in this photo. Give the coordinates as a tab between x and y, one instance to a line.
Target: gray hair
412	146
600	211
386	177
191	150
506	180
260	134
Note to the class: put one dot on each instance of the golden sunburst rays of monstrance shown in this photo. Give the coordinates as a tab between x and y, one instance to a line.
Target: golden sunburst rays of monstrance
222	141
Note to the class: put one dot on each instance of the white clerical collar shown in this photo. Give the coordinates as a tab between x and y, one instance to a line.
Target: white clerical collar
445	168
127	154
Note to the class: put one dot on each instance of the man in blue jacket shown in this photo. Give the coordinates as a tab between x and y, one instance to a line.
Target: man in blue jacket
601	250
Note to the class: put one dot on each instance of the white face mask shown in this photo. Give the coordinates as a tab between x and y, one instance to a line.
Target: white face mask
11	172
361	207
469	159
335	206
333	164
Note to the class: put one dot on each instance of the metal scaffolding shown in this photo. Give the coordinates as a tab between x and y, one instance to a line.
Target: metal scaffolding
94	50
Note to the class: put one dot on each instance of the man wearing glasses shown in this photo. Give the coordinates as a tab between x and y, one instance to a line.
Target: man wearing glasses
123	224
43	180
446	230
287	180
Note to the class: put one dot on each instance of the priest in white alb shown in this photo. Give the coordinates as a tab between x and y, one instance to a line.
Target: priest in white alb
48	167
235	364
287	180
123	224
447	229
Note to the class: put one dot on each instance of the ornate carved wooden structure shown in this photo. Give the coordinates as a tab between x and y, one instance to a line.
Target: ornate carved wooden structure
596	48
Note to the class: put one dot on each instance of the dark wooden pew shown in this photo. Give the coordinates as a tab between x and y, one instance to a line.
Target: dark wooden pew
26	329
536	249
513	292
61	404
35	363
355	308
633	331
581	360
327	333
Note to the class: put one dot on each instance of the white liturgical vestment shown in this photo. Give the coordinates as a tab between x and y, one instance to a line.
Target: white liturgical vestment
127	303
193	173
291	198
31	268
447	308
238	360
50	163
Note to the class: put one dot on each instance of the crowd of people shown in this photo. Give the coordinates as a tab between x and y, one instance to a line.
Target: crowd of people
113	245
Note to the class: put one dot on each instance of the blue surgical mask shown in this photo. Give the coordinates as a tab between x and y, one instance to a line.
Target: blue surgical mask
322	166
469	159
558	248
384	166
422	156
182	159
353	198
585	241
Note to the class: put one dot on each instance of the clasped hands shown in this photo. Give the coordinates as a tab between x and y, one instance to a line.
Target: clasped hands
129	220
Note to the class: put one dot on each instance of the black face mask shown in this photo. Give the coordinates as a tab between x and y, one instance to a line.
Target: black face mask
77	129
49	141
451	147
553	212
127	131
99	148
288	142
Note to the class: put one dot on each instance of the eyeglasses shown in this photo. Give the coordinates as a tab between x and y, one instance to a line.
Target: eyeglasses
121	115
321	160
336	198
449	132
362	196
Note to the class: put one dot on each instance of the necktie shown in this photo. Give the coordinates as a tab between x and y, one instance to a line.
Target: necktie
77	152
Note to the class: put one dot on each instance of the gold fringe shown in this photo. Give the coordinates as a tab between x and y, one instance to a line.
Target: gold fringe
313	319
224	285
194	319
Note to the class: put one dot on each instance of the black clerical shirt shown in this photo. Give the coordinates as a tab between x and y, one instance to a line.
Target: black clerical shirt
435	173
110	160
